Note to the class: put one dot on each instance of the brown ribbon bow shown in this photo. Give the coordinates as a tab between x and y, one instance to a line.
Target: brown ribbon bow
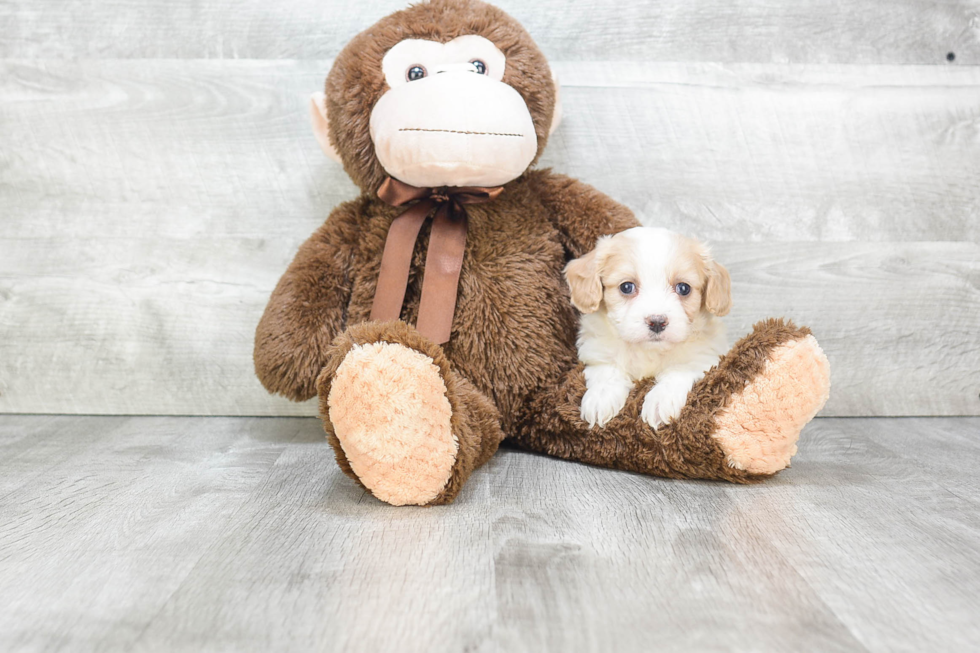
443	260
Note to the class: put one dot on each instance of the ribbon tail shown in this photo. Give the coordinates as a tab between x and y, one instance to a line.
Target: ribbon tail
443	263
396	262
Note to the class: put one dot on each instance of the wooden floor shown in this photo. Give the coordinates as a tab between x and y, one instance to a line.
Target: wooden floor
240	534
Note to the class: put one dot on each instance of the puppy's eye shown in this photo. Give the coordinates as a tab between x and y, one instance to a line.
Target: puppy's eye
415	72
481	67
682	289
627	287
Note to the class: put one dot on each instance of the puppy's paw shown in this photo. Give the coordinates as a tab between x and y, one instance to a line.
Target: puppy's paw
600	404
664	403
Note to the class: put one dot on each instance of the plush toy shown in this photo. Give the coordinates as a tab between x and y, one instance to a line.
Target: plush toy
430	314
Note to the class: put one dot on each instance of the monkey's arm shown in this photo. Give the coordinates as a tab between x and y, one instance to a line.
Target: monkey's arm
579	212
308	308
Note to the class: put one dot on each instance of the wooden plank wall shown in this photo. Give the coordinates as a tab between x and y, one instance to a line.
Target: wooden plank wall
157	174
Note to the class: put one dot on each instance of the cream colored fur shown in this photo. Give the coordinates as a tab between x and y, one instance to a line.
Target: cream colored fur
760	427
453	127
401	445
616	341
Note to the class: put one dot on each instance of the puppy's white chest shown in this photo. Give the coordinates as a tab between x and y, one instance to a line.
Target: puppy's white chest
640	364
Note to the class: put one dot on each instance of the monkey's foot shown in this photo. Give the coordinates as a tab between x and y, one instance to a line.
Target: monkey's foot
402	422
390	412
760	426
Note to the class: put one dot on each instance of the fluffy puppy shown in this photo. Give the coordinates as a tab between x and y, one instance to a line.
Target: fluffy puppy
650	301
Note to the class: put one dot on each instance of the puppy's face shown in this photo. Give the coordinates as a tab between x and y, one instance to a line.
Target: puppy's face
654	285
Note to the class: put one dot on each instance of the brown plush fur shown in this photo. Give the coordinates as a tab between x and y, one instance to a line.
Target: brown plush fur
683	449
514	327
510	367
475	420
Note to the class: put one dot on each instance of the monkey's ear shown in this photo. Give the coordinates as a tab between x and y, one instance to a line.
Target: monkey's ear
557	115
321	125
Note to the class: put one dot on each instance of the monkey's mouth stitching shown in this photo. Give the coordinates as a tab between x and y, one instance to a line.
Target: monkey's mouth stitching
456	131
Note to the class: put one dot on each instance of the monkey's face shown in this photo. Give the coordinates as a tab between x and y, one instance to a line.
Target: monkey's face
443	93
448	119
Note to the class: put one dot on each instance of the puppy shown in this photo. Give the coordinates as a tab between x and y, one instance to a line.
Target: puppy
650	301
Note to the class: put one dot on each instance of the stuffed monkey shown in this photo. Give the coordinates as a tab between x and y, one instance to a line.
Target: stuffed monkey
430	314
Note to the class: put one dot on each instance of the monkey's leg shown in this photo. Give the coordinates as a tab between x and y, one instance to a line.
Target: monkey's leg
741	422
401	421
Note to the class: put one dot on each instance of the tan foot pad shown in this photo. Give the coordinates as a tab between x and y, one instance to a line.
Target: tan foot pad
389	410
759	428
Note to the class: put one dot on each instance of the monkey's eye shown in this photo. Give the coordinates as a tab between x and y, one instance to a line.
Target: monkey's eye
415	72
682	289
481	67
627	287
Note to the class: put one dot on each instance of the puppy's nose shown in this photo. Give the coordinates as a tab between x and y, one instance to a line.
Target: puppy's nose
657	323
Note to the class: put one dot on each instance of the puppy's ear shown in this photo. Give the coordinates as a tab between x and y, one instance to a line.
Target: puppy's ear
582	276
718	289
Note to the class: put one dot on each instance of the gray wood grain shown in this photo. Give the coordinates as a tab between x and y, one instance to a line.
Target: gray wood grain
780	153
130	514
241	534
768	31
898	321
149	208
741	152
